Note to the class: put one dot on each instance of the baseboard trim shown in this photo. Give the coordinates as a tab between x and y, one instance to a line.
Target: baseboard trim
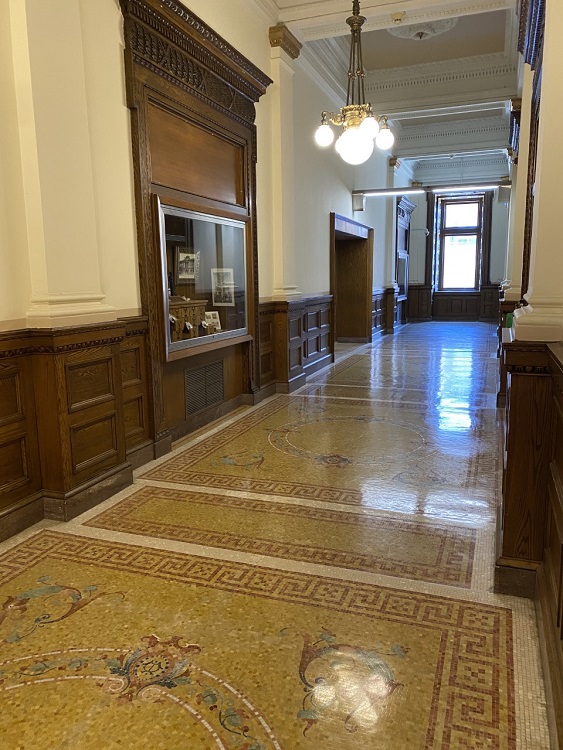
261	394
64	507
515	580
19	516
141	454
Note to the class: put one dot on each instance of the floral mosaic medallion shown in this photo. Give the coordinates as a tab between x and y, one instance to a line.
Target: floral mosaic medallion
346	683
352	437
180	651
43	605
155	672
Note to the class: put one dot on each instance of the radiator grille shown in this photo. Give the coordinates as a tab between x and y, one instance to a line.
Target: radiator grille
203	387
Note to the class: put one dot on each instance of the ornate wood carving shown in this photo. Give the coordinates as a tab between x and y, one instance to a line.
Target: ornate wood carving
186	61
523	24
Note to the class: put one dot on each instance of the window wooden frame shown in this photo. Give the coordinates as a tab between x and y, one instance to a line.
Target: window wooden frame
477	229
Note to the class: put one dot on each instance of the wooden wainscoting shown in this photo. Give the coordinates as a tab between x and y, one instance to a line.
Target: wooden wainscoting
390	304
527	454
136	410
456	306
21	500
378	312
295	339
419	303
549	593
79	407
530	523
204	387
490	297
74	418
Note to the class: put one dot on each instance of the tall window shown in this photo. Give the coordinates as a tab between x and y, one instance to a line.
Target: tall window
459	242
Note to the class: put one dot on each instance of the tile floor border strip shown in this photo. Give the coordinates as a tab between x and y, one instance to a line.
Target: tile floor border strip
453	564
226	575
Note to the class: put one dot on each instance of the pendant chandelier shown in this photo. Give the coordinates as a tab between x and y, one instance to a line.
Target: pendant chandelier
361	126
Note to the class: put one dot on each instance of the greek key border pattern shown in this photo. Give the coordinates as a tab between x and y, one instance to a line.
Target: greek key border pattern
454	555
471	686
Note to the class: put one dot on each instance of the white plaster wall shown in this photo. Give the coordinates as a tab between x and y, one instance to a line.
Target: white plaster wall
64	151
324	184
111	155
14	274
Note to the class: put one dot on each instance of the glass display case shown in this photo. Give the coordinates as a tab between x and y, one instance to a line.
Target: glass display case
204	272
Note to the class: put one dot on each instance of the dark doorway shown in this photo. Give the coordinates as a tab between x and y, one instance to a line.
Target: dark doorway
351	271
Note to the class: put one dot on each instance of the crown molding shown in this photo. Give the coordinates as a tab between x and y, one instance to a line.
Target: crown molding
268	9
318	20
321	68
459	136
462	168
500	105
426	165
436	73
479	126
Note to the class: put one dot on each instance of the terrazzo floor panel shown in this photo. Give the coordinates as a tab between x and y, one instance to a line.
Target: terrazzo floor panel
314	572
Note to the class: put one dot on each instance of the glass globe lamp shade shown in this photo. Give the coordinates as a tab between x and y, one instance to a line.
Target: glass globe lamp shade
324	135
354	147
369	127
384	139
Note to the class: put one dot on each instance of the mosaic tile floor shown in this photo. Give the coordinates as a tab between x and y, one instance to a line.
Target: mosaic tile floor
314	572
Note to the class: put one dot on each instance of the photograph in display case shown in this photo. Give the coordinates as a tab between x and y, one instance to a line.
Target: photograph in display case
222	287
185	265
212	318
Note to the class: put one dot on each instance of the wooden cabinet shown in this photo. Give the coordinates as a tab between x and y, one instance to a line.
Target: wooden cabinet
186	318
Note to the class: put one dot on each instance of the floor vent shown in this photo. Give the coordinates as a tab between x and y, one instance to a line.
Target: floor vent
203	387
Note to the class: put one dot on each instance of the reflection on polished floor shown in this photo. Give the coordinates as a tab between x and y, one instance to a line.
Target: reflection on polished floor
314	572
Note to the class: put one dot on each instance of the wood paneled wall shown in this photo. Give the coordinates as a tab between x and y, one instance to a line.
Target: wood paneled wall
419	303
456	305
378	312
74	418
296	339
530	523
550	574
489	303
21	500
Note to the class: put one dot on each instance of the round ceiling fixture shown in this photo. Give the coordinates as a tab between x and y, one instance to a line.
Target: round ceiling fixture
423	30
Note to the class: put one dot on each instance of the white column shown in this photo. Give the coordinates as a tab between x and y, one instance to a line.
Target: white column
63	250
542	320
283	196
519	179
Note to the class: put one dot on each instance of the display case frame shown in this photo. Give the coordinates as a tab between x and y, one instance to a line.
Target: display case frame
186	318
